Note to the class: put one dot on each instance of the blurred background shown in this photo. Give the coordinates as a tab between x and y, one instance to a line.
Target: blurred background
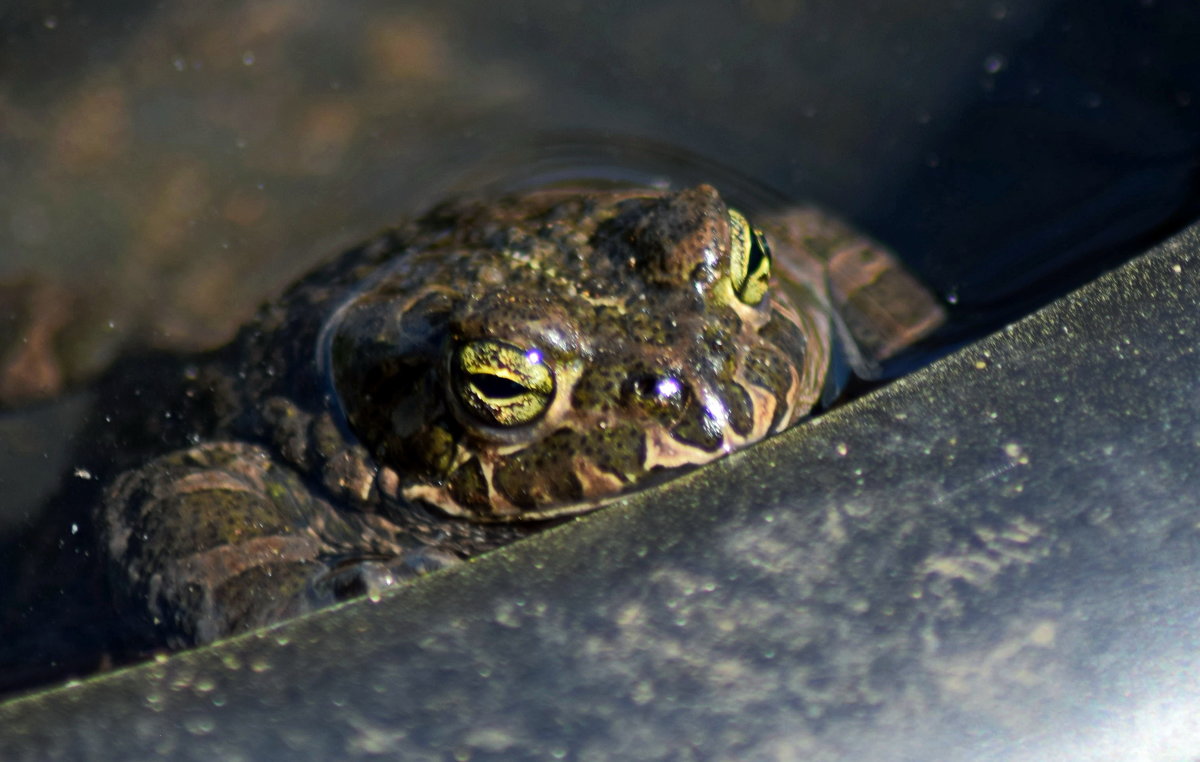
194	159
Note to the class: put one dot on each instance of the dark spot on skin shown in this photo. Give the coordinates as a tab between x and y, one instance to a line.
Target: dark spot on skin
722	334
786	335
741	407
768	369
654	320
620	451
542	474
698	428
598	388
468	487
435	446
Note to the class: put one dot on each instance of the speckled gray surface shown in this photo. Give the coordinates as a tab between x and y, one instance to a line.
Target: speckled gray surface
996	558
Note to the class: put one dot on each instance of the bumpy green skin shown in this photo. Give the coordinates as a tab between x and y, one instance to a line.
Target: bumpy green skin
326	452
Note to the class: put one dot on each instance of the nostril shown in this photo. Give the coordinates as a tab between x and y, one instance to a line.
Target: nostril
642	386
664	389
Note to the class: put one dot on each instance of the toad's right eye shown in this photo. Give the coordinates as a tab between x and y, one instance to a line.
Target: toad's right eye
502	384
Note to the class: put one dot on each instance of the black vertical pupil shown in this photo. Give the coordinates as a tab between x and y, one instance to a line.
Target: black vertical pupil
758	251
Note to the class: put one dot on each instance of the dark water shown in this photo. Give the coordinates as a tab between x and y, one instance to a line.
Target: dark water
185	164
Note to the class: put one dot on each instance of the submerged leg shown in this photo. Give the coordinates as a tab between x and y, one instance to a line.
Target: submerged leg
881	306
220	539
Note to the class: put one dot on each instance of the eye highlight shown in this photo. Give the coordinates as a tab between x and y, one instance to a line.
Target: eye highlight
502	384
750	259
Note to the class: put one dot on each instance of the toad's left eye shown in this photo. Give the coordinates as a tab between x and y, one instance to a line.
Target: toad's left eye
750	259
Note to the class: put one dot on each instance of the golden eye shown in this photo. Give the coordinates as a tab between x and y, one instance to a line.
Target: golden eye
750	259
502	384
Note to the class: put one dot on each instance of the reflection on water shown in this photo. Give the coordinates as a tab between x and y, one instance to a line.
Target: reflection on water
183	164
